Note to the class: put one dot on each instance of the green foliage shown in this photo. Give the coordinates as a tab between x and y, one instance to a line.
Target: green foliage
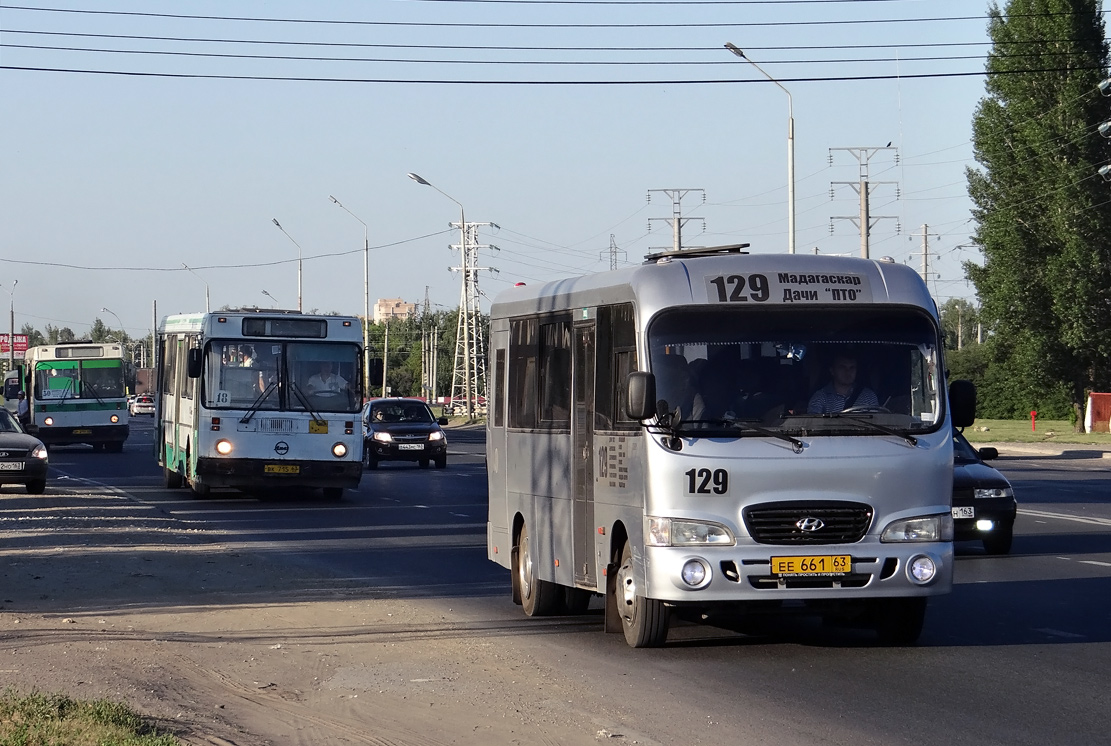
1040	209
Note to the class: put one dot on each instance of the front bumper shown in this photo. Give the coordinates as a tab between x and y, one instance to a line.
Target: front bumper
275	473
61	436
1000	511
431	450
33	469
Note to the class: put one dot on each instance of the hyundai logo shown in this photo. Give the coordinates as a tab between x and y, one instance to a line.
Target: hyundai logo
810	524
282	448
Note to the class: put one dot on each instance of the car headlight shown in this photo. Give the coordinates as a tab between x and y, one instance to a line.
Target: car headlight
674	532
436	435
383	437
994	492
39	451
926	528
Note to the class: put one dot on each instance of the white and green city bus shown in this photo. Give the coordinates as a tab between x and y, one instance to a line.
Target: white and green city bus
76	394
655	437
241	401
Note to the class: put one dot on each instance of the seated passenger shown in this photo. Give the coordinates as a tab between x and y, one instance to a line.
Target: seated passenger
676	386
842	392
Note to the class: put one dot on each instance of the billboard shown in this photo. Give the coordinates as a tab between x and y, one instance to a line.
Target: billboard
20	346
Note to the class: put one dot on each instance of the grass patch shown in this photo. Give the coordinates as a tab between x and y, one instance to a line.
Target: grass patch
1018	431
38	719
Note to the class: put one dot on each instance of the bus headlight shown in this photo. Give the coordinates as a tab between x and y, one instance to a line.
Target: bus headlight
114	418
673	532
926	528
694	573
48	421
339	450
39	452
921	570
223	447
383	437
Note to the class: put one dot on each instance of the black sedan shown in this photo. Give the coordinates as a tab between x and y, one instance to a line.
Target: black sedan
23	458
399	429
984	504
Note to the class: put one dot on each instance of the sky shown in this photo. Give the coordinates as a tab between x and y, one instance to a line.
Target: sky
139	137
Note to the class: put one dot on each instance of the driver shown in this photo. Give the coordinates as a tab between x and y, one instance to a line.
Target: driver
842	392
326	380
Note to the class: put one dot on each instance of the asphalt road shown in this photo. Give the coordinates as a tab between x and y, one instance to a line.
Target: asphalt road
1019	653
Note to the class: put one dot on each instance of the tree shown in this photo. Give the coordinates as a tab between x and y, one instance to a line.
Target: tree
54	335
958	321
34	336
1041	213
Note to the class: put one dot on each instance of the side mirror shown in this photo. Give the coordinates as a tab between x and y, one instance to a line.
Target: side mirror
441	421
640	399
962	403
987	453
193	364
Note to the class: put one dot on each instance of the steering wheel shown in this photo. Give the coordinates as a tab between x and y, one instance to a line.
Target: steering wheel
867	408
325	394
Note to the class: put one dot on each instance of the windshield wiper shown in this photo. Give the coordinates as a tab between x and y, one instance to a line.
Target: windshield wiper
910	439
743	425
258	402
67	389
305	403
96	394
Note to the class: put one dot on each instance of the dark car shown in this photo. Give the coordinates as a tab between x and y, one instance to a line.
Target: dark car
984	504
23	458
399	429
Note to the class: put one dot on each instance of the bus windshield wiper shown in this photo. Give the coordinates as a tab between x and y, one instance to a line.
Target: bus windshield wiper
96	394
910	439
305	403
68	388
745	425
258	402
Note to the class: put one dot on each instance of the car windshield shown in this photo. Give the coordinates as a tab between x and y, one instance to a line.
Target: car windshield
8	423
795	371
400	412
963	452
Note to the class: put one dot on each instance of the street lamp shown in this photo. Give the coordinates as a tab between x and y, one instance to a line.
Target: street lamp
207	306
120	337
466	326
790	149
366	294
298	262
268	295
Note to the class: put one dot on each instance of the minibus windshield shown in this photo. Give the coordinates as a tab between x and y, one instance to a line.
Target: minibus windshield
863	371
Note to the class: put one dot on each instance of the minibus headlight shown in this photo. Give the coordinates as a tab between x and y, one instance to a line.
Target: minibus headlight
339	450
223	447
673	532
115	418
994	492
926	528
39	452
921	570
694	573
383	437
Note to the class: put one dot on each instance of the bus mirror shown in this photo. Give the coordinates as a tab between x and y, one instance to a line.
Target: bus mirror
194	368
640	402
962	403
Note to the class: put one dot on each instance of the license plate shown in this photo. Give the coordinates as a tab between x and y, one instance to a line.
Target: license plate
964	512
410	447
281	469
11	466
824	565
318	426
82	431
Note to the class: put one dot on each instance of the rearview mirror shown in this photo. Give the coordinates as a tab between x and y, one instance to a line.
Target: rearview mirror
640	395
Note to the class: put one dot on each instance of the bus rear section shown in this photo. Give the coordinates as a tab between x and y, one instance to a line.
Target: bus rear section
76	395
260	401
713	459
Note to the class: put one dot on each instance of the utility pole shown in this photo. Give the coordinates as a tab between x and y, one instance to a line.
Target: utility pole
677	221
926	253
863	187
469	376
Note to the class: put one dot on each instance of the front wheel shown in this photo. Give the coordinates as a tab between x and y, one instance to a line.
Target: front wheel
334	494
644	620
36	487
171	479
538	597
899	620
441	463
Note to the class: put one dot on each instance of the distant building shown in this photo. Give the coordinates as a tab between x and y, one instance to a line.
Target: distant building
389	309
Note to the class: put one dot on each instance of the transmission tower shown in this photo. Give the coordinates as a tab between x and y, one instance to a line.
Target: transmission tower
468	380
613	252
863	187
676	221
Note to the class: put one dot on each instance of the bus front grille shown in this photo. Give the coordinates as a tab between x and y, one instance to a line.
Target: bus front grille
808	522
276	425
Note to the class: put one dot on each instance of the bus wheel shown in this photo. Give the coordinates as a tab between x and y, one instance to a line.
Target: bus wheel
115	446
333	493
200	489
538	597
899	620
171	480
644	620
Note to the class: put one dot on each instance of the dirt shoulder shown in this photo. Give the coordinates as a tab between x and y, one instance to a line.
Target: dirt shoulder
104	596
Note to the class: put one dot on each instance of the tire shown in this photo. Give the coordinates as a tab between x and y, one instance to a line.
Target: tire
899	620
999	541
36	487
333	494
645	621
538	597
171	480
441	463
114	447
371	462
200	489
423	463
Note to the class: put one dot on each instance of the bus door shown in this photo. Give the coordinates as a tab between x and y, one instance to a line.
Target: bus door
497	454
582	446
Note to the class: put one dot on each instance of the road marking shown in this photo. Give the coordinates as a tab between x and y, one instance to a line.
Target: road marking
1094	562
1058	633
1066	517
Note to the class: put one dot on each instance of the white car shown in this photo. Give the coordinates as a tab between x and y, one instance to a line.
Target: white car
141	404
